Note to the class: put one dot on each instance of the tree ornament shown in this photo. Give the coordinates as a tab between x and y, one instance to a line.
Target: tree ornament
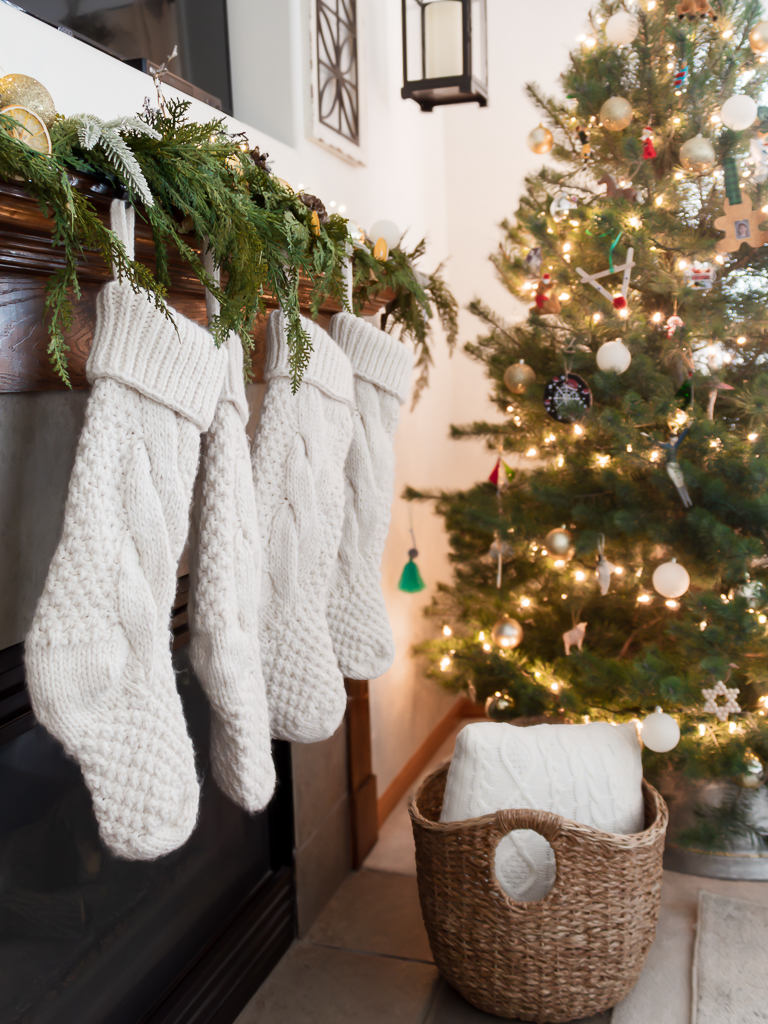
356	233
23	91
574	637
495	477
674	472
388	230
647	138
618	302
670	579
541	140
586	147
700	276
615	356
695	9
544	302
558	541
381	250
410	578
533	261
718	386
729	705
561	205
753	593
616	113
673	322
621	28
739	223
567	398
681	76
500	707
758	37
660	732
754	776
518	377
698	154
605	569
758	151
507	633
29	129
613	191
738	112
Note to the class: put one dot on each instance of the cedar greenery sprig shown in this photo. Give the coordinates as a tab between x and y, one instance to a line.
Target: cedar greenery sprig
263	237
411	307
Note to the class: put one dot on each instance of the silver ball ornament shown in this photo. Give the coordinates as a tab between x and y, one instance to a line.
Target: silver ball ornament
558	541
541	140
518	377
616	113
507	633
660	732
698	154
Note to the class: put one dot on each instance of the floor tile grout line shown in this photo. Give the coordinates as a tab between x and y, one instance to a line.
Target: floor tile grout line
368	952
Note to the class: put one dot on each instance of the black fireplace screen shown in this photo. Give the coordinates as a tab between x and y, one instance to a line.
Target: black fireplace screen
88	938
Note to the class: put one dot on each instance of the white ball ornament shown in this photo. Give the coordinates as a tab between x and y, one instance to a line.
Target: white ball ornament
698	154
670	579
660	732
388	230
758	37
621	28
614	355
738	112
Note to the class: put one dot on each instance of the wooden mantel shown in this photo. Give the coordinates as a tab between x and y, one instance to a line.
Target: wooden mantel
27	260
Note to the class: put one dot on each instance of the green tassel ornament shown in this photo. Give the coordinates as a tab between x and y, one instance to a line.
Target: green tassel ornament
410	578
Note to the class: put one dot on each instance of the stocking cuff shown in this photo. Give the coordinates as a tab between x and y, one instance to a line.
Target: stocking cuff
328	368
176	365
375	356
233	388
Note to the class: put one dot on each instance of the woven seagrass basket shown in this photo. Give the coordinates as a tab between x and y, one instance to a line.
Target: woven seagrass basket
572	954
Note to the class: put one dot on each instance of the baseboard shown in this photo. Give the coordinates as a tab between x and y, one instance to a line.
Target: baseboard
415	765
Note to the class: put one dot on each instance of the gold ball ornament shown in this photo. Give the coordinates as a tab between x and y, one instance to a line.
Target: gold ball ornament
23	91
758	37
541	140
507	633
616	113
698	154
518	377
558	541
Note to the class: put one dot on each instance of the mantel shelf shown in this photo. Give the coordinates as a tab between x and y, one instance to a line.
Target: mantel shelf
27	260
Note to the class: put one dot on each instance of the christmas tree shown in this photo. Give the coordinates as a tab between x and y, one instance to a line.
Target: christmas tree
625	519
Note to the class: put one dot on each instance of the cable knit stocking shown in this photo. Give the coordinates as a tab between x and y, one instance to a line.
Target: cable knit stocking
226	579
98	654
357	615
298	466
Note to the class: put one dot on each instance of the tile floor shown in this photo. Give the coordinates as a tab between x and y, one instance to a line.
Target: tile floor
367	960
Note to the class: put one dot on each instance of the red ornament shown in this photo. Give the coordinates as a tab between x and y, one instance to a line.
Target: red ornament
494	477
619	302
648	151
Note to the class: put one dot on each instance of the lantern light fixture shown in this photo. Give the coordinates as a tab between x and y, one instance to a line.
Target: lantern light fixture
445	52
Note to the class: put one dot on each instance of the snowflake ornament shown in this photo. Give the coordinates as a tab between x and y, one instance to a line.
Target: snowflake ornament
721	711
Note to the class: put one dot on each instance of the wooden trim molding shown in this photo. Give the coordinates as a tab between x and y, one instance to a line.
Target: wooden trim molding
418	761
362	782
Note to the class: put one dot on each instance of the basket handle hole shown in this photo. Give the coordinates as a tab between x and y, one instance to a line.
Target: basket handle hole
524	865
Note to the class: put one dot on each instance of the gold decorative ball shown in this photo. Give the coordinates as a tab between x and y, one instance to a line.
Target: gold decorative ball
541	140
517	377
23	91
616	113
758	37
558	541
507	633
698	154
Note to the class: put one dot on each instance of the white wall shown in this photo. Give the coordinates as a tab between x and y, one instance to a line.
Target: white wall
451	175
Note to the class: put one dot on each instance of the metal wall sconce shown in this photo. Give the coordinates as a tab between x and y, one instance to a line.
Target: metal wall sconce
445	52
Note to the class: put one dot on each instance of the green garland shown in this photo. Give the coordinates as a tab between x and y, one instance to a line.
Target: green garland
202	181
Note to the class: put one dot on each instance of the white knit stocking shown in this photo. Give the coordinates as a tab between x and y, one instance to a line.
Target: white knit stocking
298	467
226	580
98	654
357	615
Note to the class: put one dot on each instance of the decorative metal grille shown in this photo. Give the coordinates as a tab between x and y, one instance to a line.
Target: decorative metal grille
337	77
